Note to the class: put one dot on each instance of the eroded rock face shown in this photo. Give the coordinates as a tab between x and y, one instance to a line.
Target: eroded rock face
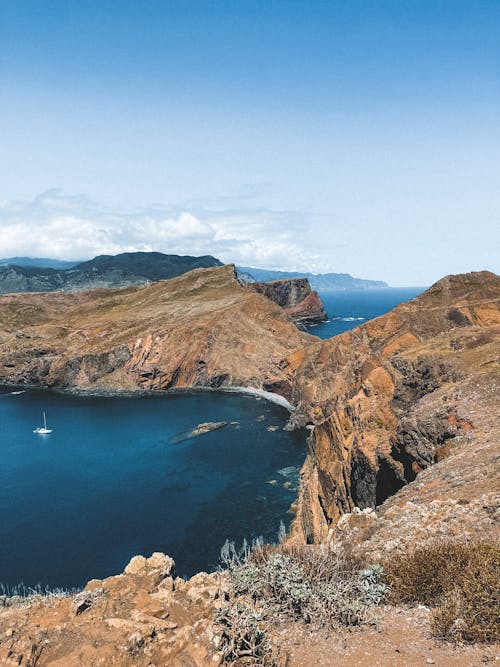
387	397
295	295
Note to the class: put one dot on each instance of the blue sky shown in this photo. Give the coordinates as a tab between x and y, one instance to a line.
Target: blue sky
353	136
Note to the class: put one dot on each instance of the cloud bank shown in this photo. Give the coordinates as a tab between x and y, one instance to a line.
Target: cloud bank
74	227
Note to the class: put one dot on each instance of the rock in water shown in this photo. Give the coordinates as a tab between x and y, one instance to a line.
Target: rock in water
206	427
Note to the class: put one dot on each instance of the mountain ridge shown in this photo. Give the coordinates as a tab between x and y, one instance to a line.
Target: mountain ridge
37	274
318	281
123	270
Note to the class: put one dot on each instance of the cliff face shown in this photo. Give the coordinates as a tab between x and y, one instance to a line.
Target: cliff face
201	329
295	295
387	399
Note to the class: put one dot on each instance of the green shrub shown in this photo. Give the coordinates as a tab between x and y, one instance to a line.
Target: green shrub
314	584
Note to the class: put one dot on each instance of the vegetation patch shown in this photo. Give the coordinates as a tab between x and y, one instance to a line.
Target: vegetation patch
316	585
459	579
243	642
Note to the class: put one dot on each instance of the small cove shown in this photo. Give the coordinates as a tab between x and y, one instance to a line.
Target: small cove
114	480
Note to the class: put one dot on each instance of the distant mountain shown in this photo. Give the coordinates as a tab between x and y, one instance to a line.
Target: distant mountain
41	262
131	268
320	281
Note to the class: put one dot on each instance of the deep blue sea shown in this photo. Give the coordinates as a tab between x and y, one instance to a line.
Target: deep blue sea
119	477
348	309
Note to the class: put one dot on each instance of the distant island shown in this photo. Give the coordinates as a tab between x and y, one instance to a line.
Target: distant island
40	262
318	281
26	274
35	274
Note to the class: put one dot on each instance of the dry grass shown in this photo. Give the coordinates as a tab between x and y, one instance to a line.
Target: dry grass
461	580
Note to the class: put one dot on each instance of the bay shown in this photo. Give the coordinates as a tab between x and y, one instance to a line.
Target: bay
119	477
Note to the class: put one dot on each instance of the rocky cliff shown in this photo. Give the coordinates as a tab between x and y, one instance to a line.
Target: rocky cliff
390	398
295	295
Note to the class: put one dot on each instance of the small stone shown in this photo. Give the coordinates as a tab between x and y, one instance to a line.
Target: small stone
5	635
430	661
170	625
86	599
137	565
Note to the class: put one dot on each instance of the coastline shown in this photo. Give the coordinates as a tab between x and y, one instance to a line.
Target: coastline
106	392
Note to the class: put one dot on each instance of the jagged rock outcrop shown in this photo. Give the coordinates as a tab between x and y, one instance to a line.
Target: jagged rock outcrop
386	397
144	616
295	295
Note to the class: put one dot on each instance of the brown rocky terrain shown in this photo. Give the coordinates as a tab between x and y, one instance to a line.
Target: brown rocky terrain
403	411
148	617
395	395
295	295
201	329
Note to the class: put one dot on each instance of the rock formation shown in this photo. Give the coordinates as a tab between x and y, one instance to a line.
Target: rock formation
295	295
389	398
202	329
144	616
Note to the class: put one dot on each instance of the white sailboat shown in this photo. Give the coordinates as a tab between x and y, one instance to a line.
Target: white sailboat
43	430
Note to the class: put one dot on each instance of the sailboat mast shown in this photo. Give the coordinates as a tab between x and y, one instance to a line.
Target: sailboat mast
44	420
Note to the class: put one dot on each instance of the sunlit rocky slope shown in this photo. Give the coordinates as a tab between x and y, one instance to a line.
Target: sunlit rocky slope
201	329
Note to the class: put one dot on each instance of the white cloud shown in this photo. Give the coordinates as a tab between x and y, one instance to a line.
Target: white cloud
65	226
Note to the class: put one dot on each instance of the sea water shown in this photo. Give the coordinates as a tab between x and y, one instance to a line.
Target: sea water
348	309
121	476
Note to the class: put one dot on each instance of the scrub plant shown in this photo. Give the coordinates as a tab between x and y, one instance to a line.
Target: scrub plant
314	584
242	640
459	579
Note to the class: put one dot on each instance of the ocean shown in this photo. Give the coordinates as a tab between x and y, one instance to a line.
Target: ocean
348	309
